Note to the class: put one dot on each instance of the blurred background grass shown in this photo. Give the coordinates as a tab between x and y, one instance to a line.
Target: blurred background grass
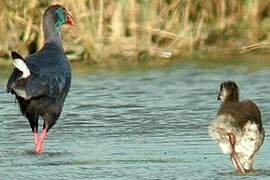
141	30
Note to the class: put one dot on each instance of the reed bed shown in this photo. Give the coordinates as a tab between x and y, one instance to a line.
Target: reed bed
141	30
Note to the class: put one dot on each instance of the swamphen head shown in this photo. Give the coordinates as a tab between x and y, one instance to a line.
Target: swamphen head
59	15
53	17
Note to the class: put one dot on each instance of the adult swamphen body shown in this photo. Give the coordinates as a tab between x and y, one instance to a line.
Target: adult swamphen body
42	80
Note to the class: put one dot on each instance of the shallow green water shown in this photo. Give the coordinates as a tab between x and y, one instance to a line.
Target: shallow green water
135	124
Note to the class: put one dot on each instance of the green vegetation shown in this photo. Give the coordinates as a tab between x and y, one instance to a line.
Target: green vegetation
133	31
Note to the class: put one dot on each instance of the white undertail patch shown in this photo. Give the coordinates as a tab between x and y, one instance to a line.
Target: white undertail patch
20	64
21	93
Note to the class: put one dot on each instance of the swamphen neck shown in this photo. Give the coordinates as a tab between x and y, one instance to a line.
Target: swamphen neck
53	18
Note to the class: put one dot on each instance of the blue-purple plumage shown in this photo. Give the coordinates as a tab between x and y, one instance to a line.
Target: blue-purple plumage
43	92
48	84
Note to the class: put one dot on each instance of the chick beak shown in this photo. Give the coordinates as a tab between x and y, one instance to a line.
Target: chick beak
219	94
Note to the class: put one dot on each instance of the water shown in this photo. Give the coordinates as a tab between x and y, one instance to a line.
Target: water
135	124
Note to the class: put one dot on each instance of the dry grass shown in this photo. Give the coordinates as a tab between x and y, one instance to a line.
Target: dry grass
138	29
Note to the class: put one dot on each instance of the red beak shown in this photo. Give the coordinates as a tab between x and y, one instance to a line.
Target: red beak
69	19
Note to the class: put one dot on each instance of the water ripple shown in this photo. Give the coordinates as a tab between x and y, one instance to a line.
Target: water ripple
134	125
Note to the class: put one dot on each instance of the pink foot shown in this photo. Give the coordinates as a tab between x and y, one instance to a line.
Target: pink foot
39	148
39	144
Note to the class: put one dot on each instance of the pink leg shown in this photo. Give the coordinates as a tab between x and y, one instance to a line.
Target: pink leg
39	145
235	160
36	138
237	165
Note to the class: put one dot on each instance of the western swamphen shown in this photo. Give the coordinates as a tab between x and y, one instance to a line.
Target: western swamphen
238	127
42	80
